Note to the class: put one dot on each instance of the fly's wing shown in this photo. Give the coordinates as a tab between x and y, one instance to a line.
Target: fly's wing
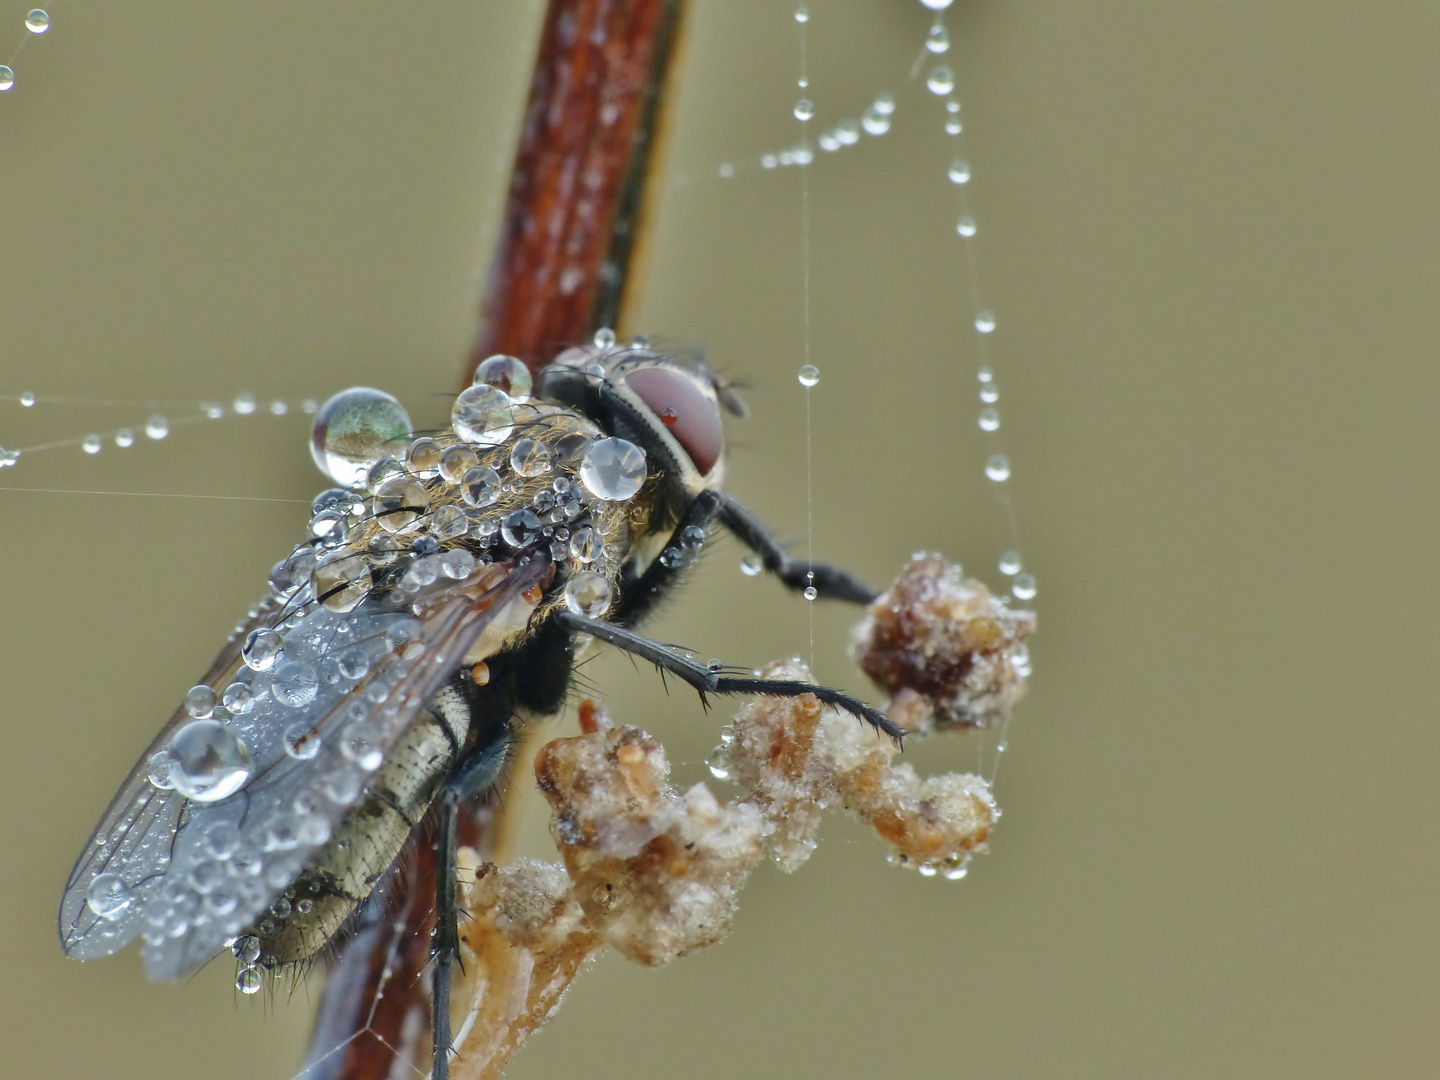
190	875
135	831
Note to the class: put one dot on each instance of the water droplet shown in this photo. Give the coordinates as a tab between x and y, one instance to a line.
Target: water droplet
809	375
278	408
159	770
810	592
989	393
956	873
244	403
847	132
928	869
361	747
262	649
726	171
884	105
8	457
936	5
354	662
354	430
90	444
483	414
27	399
520	528
1024	586
938	40
531	457
399	504
829	143
480	486
989	419
802	14
248	981
953	126
124	437
456	461
941	80
585	545
984	374
997	467
37	22
343	583
107	896
804	110
457	564
200	701
985	321
604	338
959	172
966	226
301	741
422	457
1010	563
208	761
719	763
7	77
768	161
874	121
1020	659
238	698
588	594
751	565
613	469
295	683
508	374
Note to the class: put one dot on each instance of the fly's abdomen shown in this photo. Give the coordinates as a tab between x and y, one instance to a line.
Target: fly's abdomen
364	845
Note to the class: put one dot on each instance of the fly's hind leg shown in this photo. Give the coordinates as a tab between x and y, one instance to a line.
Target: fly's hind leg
472	777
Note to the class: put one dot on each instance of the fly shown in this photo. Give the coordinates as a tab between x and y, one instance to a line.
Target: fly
439	598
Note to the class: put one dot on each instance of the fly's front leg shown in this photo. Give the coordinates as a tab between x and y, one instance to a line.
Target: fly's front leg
829	582
707	680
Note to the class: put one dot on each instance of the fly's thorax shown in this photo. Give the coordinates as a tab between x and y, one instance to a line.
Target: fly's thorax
365	844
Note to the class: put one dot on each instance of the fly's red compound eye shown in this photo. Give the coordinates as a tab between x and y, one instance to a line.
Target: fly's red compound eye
685	410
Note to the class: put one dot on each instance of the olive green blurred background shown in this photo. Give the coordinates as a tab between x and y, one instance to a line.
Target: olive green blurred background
1209	234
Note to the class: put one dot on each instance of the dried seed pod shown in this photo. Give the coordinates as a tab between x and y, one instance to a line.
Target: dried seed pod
944	648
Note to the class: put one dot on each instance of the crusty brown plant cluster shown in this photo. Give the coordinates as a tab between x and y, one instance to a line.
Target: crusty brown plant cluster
655	873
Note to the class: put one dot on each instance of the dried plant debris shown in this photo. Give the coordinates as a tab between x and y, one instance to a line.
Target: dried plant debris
524	943
949	652
800	759
655	872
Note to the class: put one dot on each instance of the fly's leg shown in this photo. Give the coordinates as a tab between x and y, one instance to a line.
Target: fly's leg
829	582
710	506
445	949
709	681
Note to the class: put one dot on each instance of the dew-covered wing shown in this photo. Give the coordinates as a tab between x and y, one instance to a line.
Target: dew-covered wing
135	832
342	692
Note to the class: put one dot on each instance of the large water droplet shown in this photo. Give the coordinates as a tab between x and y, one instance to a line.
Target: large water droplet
361	747
802	14
531	457
301	741
874	121
90	444
989	393
508	374
200	701
159	770
483	414
208	761
399	504
248	981
941	79
1010	563
804	110
343	583
989	418
938	40
38	21
997	467
959	172
480	486
985	321
604	338
157	427
585	545
355	429
244	403
456	461
719	763
588	594
295	683
27	399
937	5
423	457
124	438
7	77
107	896
262	649
520	528
809	375
953	126
238	698
966	226
613	469
751	565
